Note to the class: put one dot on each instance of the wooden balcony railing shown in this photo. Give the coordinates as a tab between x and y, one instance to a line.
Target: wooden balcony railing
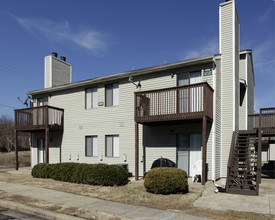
267	120
177	103
37	118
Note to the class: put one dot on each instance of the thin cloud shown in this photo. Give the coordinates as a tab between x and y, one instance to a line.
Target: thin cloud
211	47
63	32
267	14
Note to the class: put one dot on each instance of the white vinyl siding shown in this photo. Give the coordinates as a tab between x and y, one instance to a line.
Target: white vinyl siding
91	98
112	94
112	146
91	146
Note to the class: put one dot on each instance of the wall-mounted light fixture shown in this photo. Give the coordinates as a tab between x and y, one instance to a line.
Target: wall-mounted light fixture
125	157
172	75
101	157
70	157
77	156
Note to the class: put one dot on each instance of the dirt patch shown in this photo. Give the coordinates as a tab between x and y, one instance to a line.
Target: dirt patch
133	193
7	160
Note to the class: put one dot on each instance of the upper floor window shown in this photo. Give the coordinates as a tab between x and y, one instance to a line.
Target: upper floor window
188	78
91	146
42	101
91	97
112	94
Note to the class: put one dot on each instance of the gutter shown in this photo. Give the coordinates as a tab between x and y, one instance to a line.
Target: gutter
118	76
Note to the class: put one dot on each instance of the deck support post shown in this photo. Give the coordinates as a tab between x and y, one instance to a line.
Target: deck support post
16	150
259	153
136	151
47	144
204	133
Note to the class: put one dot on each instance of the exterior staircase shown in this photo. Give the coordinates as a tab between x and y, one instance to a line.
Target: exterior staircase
243	164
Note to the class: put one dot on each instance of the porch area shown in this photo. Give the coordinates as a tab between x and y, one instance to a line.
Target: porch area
43	119
191	104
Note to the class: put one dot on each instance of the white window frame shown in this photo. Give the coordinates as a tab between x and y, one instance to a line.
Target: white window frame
93	147
114	90
114	141
91	100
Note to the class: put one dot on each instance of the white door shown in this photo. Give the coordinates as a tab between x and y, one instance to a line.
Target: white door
195	154
41	150
189	153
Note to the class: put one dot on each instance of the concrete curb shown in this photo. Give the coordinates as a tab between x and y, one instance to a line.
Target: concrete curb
38	211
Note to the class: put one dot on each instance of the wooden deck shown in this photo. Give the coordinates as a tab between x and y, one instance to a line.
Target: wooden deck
176	103
267	119
39	118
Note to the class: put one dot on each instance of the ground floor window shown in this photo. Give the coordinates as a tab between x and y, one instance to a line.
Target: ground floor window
91	146
112	146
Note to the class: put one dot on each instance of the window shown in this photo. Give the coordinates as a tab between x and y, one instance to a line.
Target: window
111	94
91	146
189	78
91	98
190	99
42	101
112	146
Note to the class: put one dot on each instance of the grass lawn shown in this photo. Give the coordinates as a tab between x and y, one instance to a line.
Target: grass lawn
7	160
133	193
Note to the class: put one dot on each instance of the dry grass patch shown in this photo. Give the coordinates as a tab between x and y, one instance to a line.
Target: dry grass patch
133	193
73	211
7	160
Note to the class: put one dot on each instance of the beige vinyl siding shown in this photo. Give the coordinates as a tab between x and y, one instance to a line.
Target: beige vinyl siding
237	75
161	141
218	120
271	152
114	120
61	72
243	108
228	80
102	121
250	84
47	71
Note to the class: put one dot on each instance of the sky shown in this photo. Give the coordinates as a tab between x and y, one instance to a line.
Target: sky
102	37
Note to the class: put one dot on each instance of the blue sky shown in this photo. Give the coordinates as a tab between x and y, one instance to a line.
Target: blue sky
101	37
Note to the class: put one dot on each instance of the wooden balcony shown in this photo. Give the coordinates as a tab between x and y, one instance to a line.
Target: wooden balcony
267	119
39	118
177	103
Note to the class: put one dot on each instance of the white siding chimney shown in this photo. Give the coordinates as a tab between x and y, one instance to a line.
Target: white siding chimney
229	49
57	71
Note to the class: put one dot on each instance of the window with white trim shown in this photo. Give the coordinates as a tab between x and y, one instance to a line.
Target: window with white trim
111	94
91	97
112	146
91	146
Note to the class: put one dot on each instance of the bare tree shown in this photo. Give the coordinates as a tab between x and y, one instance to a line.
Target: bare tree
7	136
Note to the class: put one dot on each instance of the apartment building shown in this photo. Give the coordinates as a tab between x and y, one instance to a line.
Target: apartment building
184	111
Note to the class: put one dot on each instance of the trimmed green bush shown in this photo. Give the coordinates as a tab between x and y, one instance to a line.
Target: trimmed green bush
42	170
92	174
166	180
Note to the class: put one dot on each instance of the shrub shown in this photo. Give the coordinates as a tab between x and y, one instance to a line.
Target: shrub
42	170
93	174
166	180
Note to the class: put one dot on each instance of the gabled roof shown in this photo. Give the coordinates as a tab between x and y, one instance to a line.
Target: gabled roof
118	76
